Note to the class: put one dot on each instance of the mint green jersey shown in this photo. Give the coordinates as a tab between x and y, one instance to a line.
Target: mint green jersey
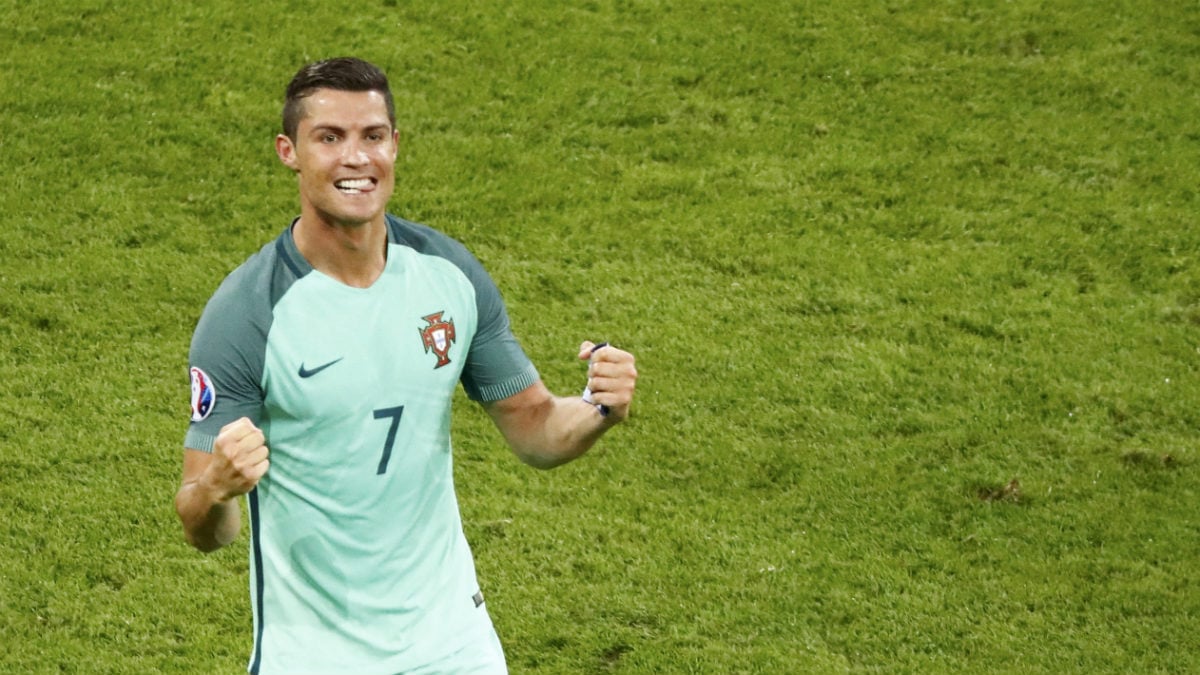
358	562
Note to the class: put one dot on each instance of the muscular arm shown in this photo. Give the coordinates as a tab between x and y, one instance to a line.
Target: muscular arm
212	482
546	430
209	520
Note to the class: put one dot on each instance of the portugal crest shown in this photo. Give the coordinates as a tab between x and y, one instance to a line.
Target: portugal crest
437	336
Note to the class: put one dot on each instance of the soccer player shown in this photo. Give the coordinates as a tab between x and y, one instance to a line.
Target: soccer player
322	374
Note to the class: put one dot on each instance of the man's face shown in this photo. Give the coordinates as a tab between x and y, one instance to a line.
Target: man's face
344	155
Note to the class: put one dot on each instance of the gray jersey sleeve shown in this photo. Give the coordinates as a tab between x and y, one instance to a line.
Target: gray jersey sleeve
228	346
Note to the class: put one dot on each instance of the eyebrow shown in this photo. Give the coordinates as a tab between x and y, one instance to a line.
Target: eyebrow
320	128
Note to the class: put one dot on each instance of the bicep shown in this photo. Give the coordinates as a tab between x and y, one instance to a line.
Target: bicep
195	462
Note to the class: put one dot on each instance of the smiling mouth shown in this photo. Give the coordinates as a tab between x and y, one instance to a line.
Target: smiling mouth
353	187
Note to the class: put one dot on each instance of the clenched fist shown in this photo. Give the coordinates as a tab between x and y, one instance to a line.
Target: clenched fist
240	459
612	377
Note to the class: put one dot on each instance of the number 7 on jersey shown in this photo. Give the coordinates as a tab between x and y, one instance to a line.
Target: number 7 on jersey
384	413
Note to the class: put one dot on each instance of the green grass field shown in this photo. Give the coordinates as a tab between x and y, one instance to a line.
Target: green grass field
876	260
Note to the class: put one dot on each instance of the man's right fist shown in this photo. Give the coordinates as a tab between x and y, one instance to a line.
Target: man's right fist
240	459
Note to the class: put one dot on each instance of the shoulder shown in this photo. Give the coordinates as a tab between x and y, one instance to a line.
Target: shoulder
242	307
425	240
428	241
261	279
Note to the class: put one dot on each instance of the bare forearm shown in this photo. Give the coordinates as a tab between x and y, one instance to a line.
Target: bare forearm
546	431
208	523
571	428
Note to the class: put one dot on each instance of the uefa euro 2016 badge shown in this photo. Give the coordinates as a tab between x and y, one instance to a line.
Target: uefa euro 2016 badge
204	395
437	336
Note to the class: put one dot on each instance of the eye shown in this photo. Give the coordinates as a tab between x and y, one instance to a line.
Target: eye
329	138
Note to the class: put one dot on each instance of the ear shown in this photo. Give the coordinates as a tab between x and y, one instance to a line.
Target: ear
286	150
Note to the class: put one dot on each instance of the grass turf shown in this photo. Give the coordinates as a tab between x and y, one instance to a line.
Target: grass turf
877	261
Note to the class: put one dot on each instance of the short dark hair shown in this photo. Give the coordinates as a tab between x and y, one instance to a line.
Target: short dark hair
343	74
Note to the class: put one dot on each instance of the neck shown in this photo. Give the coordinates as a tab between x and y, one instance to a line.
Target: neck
352	254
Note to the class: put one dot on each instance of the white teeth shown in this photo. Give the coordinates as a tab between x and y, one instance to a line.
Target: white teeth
353	186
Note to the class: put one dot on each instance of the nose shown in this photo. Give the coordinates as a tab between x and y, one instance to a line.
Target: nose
355	154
